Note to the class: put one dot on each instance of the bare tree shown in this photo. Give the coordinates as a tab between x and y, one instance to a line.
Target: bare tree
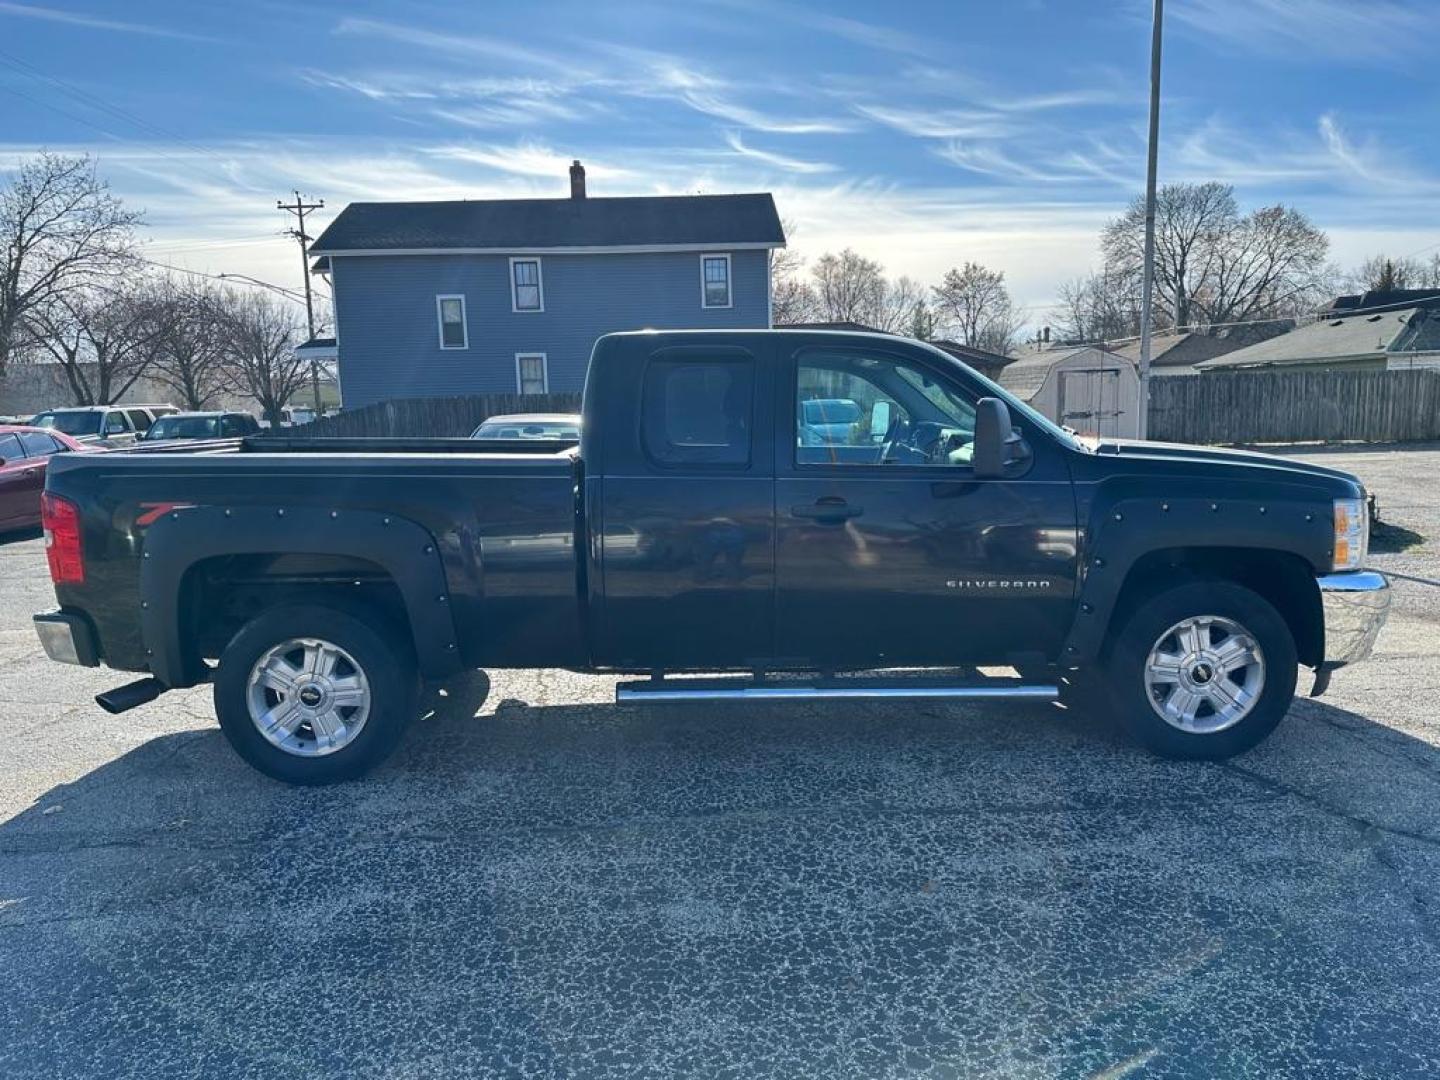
849	287
1381	273
1270	264
104	340
260	334
975	306
61	233
192	355
1214	265
1098	307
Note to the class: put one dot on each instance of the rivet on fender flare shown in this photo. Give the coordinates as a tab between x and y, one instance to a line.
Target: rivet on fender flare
1119	517
280	512
1165	507
1214	507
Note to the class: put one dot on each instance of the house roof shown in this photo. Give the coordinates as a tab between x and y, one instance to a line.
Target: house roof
666	221
1375	299
1025	376
1351	338
982	358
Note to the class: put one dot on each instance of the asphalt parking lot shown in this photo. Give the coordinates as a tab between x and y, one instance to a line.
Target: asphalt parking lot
542	883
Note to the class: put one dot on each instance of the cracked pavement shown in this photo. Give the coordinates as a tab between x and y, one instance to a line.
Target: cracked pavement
543	884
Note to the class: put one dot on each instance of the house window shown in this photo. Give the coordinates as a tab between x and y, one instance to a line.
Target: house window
451	312
526	291
715	281
531	373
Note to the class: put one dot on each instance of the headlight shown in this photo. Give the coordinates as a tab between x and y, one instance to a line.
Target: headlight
1352	533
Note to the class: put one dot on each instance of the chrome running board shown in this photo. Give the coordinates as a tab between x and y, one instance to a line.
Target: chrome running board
741	689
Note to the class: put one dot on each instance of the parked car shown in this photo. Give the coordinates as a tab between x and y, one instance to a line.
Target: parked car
201	425
530	426
24	454
315	582
103	425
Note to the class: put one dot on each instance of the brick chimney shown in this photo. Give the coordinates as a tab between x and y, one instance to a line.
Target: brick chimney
577	180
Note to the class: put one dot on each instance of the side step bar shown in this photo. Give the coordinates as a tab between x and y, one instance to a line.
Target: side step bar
664	690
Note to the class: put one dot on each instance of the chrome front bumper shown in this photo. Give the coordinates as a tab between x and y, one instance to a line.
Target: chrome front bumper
1355	605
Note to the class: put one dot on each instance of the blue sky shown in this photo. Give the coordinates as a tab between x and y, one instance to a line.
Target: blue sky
921	134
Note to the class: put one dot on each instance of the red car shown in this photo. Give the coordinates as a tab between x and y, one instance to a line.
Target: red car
24	453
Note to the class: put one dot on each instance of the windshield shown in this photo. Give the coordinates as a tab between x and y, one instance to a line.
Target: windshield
529	429
70	421
183	427
1029	414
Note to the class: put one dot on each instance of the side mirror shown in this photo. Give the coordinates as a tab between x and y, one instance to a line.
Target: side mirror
999	449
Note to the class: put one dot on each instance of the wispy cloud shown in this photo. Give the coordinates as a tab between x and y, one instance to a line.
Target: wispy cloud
872	35
1096	161
454	43
937	123
1324	159
525	158
96	22
778	161
666	76
1334	29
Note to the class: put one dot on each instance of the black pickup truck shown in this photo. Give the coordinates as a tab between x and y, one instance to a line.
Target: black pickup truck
748	515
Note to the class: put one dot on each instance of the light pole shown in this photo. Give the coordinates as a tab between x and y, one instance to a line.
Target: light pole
1147	279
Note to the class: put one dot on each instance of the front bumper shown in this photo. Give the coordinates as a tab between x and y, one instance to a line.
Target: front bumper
67	638
1355	605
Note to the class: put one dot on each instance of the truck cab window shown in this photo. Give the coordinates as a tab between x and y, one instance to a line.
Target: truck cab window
698	411
853	409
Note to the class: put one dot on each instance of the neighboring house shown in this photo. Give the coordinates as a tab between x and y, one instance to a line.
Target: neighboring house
1406	337
986	363
1084	387
1383	300
1177	354
508	295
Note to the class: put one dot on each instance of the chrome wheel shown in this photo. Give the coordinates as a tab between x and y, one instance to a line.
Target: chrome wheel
1204	674
308	697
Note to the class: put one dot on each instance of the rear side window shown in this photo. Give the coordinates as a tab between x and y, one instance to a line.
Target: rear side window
698	412
37	444
10	449
115	423
139	418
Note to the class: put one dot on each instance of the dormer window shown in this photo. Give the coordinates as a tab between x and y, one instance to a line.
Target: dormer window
526	290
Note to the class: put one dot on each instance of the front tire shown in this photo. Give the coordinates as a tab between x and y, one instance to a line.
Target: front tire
310	694
1203	671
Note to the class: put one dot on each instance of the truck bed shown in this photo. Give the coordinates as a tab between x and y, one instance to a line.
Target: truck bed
504	521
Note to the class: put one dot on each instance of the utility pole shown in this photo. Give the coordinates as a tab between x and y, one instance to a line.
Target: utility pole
300	208
1147	280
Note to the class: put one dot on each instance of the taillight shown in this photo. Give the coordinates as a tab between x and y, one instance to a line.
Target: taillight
60	519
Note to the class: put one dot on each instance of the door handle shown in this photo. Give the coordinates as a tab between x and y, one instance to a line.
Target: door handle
829	511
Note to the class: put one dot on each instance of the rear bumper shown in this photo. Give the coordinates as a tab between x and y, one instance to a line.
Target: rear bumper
68	639
1355	606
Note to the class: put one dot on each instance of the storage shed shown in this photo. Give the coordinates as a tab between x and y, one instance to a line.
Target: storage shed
1090	389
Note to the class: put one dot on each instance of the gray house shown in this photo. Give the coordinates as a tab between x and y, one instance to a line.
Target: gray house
508	295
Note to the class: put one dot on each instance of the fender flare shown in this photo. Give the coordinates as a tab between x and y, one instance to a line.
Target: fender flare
185	536
1123	530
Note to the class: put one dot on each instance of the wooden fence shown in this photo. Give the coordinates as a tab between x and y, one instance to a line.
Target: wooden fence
1296	406
448	417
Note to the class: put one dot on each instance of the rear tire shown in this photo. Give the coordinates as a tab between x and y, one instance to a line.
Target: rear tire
311	694
1202	671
